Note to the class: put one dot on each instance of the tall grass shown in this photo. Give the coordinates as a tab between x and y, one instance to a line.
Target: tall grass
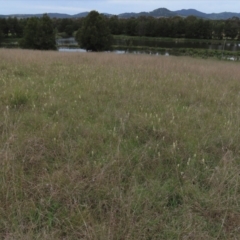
105	146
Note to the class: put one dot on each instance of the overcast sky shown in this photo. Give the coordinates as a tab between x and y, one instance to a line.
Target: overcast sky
114	6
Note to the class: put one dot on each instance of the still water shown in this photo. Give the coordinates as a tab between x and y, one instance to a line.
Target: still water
70	45
174	44
65	49
229	46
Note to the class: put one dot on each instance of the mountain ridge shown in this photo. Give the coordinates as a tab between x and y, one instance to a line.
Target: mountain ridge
157	13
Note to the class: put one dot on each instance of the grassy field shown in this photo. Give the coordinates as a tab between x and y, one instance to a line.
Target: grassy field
105	146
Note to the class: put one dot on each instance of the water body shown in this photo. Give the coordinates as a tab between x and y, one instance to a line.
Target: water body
66	41
65	49
156	43
165	48
80	50
174	44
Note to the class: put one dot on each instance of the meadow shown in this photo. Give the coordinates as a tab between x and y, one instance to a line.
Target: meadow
105	146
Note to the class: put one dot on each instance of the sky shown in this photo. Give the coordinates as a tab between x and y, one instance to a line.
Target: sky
114	6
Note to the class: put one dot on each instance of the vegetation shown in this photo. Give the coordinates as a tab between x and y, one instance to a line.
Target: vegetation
172	27
1	37
176	27
68	26
94	35
39	34
105	146
1	33
12	27
193	52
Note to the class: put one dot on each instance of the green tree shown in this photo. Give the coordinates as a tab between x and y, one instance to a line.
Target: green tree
13	26
46	34
1	36
203	29
4	26
191	29
141	27
218	29
131	26
1	33
113	23
39	34
30	37
94	34
151	27
66	27
231	28
162	28
176	27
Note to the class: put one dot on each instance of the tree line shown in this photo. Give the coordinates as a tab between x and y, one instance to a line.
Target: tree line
13	27
176	27
34	33
173	27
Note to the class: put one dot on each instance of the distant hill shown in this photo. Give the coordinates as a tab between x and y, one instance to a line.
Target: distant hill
160	12
79	15
189	12
223	15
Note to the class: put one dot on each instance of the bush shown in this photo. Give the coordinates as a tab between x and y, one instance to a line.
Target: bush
94	34
39	34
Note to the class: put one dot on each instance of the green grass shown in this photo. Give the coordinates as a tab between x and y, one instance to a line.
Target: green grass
106	146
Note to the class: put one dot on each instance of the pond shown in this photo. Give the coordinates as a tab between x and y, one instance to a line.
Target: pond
178	43
66	41
65	49
205	49
172	44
